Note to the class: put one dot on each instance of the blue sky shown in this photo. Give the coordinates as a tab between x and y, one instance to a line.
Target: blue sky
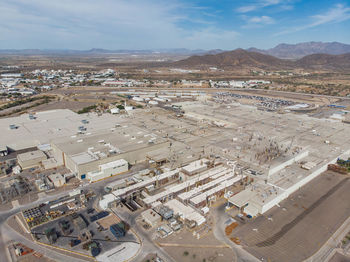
153	24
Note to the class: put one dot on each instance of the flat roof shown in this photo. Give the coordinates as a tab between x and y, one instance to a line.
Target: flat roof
55	177
185	212
178	187
31	155
49	125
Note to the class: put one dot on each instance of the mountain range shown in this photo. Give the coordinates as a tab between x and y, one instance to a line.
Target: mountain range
295	51
285	51
243	59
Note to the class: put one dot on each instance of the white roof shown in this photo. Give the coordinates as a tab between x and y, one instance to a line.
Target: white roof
119	192
218	178
242	198
55	177
119	162
196	165
31	155
176	188
120	253
185	212
198	199
83	158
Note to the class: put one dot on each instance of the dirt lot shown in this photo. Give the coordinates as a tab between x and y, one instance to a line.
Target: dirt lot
185	247
301	225
73	105
108	221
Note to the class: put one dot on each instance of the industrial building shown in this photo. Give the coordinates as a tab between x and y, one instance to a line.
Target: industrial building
90	152
31	159
261	197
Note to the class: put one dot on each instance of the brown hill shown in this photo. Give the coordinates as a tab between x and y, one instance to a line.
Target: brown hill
325	62
238	58
241	59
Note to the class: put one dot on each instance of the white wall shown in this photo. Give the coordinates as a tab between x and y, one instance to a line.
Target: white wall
107	172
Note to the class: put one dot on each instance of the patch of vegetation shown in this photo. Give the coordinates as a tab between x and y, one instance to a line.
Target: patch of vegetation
344	163
186	253
45	99
87	109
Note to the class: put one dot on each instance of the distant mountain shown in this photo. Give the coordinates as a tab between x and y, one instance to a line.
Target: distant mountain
238	58
97	51
290	51
242	59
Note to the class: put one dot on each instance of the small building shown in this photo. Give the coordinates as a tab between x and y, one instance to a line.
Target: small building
151	217
31	159
57	179
109	169
165	230
115	110
164	211
118	230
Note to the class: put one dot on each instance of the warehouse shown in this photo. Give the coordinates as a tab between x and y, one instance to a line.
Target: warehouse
85	153
31	159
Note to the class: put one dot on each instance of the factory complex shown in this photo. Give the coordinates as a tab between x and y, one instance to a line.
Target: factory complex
198	156
163	168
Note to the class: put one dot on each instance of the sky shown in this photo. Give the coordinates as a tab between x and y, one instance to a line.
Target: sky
157	24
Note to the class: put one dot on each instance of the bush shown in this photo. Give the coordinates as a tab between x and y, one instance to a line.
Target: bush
87	109
186	253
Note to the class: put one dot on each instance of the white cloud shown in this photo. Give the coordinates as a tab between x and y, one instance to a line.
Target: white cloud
336	14
113	24
257	21
258	5
261	20
212	37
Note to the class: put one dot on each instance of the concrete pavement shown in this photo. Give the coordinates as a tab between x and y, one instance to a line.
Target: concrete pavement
219	232
147	244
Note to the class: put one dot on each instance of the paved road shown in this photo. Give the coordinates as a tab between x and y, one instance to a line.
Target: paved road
219	232
14	236
148	245
7	234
